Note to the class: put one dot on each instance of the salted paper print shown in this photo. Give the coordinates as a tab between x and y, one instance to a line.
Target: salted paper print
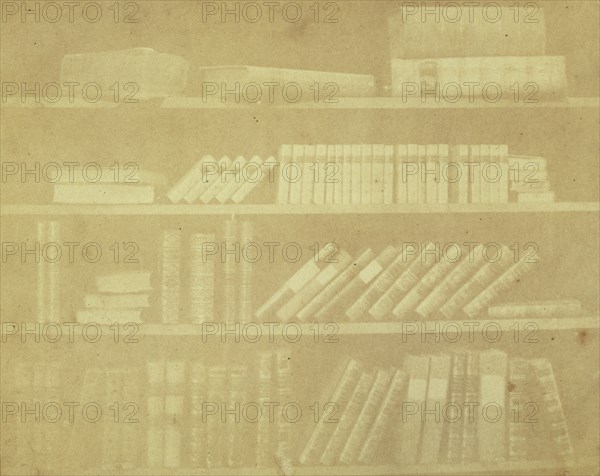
311	237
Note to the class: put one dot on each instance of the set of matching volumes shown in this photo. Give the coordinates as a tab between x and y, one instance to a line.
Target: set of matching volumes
220	181
395	284
191	422
420	412
109	186
436	46
408	173
211	269
48	276
119	297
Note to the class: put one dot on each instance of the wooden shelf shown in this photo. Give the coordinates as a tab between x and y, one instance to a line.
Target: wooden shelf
288	209
362	103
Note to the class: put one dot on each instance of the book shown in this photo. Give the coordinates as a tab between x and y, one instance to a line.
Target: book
484	172
443	195
205	173
283	188
470	441
265	437
320	165
366	417
377	175
388	174
209	191
314	286
334	174
116	301
198	394
171	276
109	316
491	430
400	182
455	416
189	180
421	180
296	178
231	180
437	395
155	411
102	193
431	173
384	420
366	174
411	428
296	282
245	275
216	437
310	175
518	432
201	293
475	175
344	387
348	418
412	175
328	177
358	284
231	267
535	309
347	174
254	177
283	373
124	282
335	286
357	179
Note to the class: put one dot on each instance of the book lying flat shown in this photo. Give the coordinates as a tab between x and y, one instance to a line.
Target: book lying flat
105	193
124	282
109	316
116	301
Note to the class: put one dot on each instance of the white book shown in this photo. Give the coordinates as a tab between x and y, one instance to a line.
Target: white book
335	174
486	173
109	316
185	183
327	176
463	182
401	185
232	177
116	301
356	174
421	184
208	172
124	282
366	173
430	173
106	193
319	187
475	174
388	174
294	174
283	189
443	185
378	174
347	174
257	171
412	174
495	173
503	186
309	174
215	185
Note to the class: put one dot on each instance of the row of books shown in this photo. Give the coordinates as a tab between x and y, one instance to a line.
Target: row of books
183	431
409	173
119	297
395	284
418	413
221	181
212	292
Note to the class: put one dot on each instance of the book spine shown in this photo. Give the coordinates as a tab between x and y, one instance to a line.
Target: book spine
347	174
215	434
377	176
246	303
384	419
284	371
469	448
457	399
334	174
264	438
251	180
197	428
231	263
475	175
171	269
431	173
366	417
388	175
310	174
174	398
518	375
231	180
567	307
400	184
321	164
235	428
356	174
155	411
443	185
366	174
328	177
202	280
295	178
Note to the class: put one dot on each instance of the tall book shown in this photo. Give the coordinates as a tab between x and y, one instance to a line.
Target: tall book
470	441
367	416
215	433
155	411
443	195
380	430
246	271
284	393
437	395
422	178
198	395
174	414
455	415
265	437
202	280
475	175
343	391
314	286
347	174
338	304
518	431
412	174
348	418
171	276
485	169
283	185
411	430
237	430
335	286
491	429
230	270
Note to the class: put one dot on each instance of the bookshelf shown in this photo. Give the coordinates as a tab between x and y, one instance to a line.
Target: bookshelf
294	210
167	135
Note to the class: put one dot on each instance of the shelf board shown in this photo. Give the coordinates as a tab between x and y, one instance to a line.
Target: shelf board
360	103
288	209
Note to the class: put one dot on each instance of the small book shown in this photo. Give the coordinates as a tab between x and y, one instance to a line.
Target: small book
231	180
283	188
116	301
124	282
366	174
103	193
296	180
309	174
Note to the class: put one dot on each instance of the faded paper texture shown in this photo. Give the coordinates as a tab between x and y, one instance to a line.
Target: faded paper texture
299	238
